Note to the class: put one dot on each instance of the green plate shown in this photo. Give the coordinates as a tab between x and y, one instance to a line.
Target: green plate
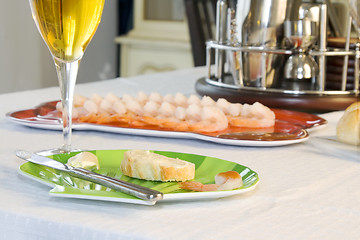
206	169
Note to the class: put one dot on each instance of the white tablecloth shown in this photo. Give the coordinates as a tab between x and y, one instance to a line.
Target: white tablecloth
307	191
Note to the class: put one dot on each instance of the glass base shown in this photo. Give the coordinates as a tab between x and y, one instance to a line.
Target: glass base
54	151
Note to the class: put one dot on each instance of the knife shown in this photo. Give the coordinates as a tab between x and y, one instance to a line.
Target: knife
116	184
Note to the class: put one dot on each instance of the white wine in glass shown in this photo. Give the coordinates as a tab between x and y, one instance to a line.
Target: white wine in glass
67	26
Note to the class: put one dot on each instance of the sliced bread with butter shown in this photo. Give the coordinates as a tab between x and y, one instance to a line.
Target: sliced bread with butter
151	166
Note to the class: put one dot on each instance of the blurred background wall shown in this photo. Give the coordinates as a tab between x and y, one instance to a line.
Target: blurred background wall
134	37
25	61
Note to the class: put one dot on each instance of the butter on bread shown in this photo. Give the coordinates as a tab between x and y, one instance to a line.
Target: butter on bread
86	160
348	127
147	165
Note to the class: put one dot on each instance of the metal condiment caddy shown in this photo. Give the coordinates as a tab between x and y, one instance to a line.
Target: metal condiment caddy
281	49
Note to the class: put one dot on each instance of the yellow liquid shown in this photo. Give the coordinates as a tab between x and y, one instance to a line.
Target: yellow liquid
67	26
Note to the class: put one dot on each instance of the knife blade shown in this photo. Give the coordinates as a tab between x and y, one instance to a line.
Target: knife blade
113	183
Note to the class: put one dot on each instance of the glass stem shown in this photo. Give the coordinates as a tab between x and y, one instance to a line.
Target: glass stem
67	73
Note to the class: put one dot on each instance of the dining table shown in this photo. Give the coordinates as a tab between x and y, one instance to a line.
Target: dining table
305	190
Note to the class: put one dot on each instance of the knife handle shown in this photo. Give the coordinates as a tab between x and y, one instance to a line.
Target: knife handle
116	184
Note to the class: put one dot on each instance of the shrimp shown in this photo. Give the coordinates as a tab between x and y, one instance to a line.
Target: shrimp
75	113
173	124
79	111
119	107
169	98
254	116
104	118
166	122
260	111
59	106
181	126
106	107
223	181
156	97
112	98
167	110
79	100
250	122
142	97
180	100
133	106
180	113
193	112
127	98
174	112
198	187
90	118
193	99
96	98
223	104
151	108
174	121
213	114
205	126
207	101
212	120
228	180
91	106
234	109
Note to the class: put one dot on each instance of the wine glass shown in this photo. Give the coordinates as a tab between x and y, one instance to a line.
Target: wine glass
67	26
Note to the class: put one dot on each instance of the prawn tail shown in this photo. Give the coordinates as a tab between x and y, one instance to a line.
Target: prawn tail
199	187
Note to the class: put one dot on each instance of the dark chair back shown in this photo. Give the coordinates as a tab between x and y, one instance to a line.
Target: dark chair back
201	17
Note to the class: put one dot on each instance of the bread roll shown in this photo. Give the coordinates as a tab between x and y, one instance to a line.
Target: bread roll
151	166
348	127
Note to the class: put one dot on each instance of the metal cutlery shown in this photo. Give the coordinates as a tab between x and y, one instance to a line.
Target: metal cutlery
116	184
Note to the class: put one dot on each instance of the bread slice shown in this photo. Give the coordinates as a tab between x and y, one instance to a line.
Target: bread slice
151	166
